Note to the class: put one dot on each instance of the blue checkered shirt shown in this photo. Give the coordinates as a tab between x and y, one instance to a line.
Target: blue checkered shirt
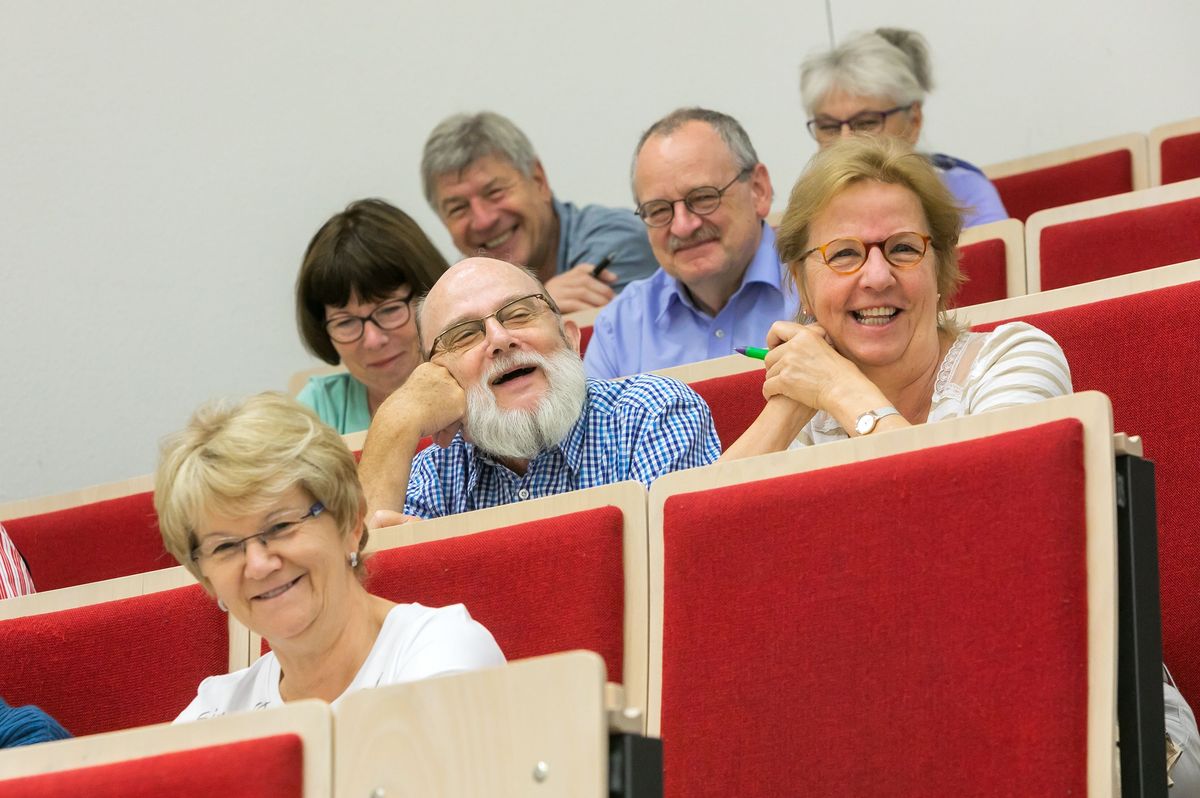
639	428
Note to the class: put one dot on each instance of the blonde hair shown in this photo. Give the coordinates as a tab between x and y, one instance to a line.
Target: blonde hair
885	160
235	458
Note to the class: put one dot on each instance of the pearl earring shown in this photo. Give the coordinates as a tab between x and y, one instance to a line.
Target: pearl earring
353	559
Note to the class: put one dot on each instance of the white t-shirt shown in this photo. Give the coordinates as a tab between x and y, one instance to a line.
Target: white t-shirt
415	642
1014	364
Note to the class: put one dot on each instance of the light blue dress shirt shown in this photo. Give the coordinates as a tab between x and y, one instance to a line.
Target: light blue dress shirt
654	324
637	429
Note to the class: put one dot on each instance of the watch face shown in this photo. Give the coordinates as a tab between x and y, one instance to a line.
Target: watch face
865	423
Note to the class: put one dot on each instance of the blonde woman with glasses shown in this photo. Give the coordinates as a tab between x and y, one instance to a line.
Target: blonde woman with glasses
261	502
869	238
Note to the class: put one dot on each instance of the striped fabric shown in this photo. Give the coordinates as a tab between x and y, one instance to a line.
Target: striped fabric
14	576
1016	364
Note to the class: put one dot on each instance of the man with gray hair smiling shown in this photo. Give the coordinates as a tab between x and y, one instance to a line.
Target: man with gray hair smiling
703	196
503	394
487	185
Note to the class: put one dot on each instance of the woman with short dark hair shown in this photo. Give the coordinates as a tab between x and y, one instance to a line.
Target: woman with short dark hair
354	295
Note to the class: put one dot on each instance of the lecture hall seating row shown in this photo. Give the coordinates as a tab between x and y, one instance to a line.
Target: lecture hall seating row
759	616
438	737
1117	165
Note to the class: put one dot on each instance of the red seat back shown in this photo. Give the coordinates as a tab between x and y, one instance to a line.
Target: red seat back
91	542
1087	178
1084	250
889	623
585	335
271	766
985	265
1137	350
548	585
735	401
1180	158
117	664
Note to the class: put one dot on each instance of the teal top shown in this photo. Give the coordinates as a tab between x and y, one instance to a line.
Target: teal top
340	401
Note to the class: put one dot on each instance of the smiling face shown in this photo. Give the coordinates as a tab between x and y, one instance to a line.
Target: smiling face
298	587
492	209
381	359
881	315
838	105
709	254
478	287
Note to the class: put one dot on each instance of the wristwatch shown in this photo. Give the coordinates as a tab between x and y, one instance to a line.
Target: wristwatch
867	421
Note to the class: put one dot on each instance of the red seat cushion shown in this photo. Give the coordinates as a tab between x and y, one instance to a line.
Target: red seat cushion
1120	243
118	664
913	625
1136	350
1098	176
541	587
96	541
735	401
1180	158
271	766
987	273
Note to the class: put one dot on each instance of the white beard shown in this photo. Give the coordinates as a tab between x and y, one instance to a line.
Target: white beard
524	434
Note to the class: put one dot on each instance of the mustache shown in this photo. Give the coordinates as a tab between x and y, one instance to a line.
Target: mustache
509	362
706	232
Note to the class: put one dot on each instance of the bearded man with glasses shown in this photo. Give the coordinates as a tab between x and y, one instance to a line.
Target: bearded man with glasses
703	197
504	395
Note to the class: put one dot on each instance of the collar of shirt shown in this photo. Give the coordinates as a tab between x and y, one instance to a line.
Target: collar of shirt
764	269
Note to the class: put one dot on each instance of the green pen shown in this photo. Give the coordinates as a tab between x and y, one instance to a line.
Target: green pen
755	352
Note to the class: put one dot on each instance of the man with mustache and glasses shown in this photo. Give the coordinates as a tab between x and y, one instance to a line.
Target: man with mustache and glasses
504	395
703	196
485	182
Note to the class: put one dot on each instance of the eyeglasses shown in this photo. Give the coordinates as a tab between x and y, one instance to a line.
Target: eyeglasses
391	315
847	255
513	316
701	201
227	551
825	128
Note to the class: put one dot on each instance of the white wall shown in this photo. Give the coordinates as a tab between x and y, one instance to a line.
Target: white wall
162	166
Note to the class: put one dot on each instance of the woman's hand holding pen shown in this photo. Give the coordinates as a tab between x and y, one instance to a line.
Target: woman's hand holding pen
802	366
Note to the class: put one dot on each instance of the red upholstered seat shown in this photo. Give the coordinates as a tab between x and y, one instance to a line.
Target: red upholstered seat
1119	243
117	664
1136	350
985	266
910	625
541	587
1098	176
1180	158
101	540
735	401
268	766
585	335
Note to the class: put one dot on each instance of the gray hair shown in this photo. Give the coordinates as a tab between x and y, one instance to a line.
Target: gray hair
460	140
886	62
728	128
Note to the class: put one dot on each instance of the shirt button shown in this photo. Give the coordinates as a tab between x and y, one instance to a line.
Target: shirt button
719	333
523	494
